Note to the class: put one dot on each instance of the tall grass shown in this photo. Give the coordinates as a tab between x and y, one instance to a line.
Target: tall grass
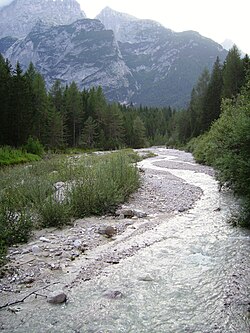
88	184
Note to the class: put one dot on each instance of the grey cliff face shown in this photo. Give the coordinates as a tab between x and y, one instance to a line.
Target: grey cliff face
164	64
83	52
134	60
19	17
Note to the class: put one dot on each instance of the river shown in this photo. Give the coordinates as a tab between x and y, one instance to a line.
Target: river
192	277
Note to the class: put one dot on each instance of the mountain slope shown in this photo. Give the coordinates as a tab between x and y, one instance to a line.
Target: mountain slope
83	52
19	17
164	64
137	61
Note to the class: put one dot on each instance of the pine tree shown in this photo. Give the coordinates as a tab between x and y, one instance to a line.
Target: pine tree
5	87
213	97
74	114
196	106
139	137
90	134
233	73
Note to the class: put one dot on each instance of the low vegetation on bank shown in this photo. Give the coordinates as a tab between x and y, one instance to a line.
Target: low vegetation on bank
52	192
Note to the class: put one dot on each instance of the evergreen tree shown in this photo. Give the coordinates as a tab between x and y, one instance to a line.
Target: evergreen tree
5	87
213	97
196	106
233	73
74	114
113	127
18	108
139	136
90	134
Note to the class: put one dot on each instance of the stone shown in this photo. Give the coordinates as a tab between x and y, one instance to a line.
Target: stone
77	243
140	214
107	231
114	294
35	249
57	297
44	240
146	278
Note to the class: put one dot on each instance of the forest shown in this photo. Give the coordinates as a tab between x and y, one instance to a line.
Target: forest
215	125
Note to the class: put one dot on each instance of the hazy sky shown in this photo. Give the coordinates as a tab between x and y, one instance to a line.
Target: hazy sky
216	19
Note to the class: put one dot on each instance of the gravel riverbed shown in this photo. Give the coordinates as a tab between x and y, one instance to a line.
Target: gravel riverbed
63	258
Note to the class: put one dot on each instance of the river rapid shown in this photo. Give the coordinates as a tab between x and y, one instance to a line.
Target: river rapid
191	277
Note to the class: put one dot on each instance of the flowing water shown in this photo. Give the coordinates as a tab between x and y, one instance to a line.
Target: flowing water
193	277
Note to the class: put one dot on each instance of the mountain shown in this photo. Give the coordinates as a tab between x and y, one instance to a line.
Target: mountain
165	64
83	52
134	60
19	17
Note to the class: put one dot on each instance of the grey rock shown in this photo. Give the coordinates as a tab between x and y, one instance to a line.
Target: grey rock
147	278
57	297
77	243
114	294
140	214
108	231
35	249
20	16
44	240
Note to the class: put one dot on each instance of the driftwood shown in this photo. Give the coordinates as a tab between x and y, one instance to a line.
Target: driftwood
34	292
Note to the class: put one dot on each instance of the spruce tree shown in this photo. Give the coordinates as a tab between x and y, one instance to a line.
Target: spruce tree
213	97
233	73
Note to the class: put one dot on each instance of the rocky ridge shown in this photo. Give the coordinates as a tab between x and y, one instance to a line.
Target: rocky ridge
19	17
134	60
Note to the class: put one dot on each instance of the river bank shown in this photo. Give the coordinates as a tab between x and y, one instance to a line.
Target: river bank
84	255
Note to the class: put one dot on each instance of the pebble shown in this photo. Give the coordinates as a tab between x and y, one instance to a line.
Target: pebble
45	240
114	294
57	297
77	243
147	278
35	249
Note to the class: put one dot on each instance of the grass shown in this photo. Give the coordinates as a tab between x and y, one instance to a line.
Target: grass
10	156
49	193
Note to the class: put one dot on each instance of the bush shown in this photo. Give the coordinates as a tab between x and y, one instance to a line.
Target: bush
10	156
90	185
227	146
104	185
34	146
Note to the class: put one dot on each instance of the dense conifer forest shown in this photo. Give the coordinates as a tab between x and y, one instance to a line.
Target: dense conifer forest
215	125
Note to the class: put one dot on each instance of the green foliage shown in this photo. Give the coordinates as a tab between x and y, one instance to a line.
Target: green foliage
104	183
227	145
233	73
9	156
49	193
33	146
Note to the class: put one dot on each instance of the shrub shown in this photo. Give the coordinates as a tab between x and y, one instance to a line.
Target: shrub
227	146
34	146
9	156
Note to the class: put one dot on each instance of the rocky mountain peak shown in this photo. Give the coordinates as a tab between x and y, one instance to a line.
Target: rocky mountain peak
20	16
116	21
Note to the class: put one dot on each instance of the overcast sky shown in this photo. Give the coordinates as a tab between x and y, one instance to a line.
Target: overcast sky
216	19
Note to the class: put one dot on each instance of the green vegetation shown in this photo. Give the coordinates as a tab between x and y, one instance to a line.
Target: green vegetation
10	156
50	193
215	126
65	117
227	147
